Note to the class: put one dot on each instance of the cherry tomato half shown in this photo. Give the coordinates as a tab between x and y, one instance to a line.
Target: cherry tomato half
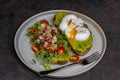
44	21
74	58
60	50
35	48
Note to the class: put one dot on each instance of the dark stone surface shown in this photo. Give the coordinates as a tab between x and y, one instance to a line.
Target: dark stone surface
14	12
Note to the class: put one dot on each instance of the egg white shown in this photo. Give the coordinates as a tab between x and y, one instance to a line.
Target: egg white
82	33
64	23
76	23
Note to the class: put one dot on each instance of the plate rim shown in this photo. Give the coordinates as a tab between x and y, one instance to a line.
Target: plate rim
70	11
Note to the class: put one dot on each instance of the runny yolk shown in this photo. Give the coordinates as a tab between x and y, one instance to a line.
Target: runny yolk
72	36
73	33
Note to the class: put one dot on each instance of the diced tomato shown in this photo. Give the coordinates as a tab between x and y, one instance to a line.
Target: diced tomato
49	50
39	32
45	29
56	50
35	48
53	31
34	39
44	22
74	58
31	30
43	40
50	39
60	44
48	46
43	47
60	50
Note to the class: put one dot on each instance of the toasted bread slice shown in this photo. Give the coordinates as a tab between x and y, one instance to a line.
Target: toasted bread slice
82	53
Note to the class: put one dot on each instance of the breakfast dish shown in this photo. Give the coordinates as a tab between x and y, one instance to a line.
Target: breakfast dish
56	38
52	45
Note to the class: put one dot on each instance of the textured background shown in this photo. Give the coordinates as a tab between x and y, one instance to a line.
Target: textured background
14	12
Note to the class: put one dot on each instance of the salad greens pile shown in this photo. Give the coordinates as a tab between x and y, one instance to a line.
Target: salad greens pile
48	44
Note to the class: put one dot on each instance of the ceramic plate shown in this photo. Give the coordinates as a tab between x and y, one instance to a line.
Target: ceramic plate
24	52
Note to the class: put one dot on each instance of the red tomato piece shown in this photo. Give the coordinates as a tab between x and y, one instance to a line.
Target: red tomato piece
48	46
31	30
35	48
45	29
53	31
60	50
34	39
43	40
44	22
50	39
74	58
39	32
49	50
60	44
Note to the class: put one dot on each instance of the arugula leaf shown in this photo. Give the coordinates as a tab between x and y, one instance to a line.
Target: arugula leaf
65	43
36	54
34	61
51	55
50	26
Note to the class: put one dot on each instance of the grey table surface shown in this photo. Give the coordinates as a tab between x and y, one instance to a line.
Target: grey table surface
14	12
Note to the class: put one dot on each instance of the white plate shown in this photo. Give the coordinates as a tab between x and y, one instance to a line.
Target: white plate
24	52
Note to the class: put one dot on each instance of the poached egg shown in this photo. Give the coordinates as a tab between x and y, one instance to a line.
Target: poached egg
73	28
